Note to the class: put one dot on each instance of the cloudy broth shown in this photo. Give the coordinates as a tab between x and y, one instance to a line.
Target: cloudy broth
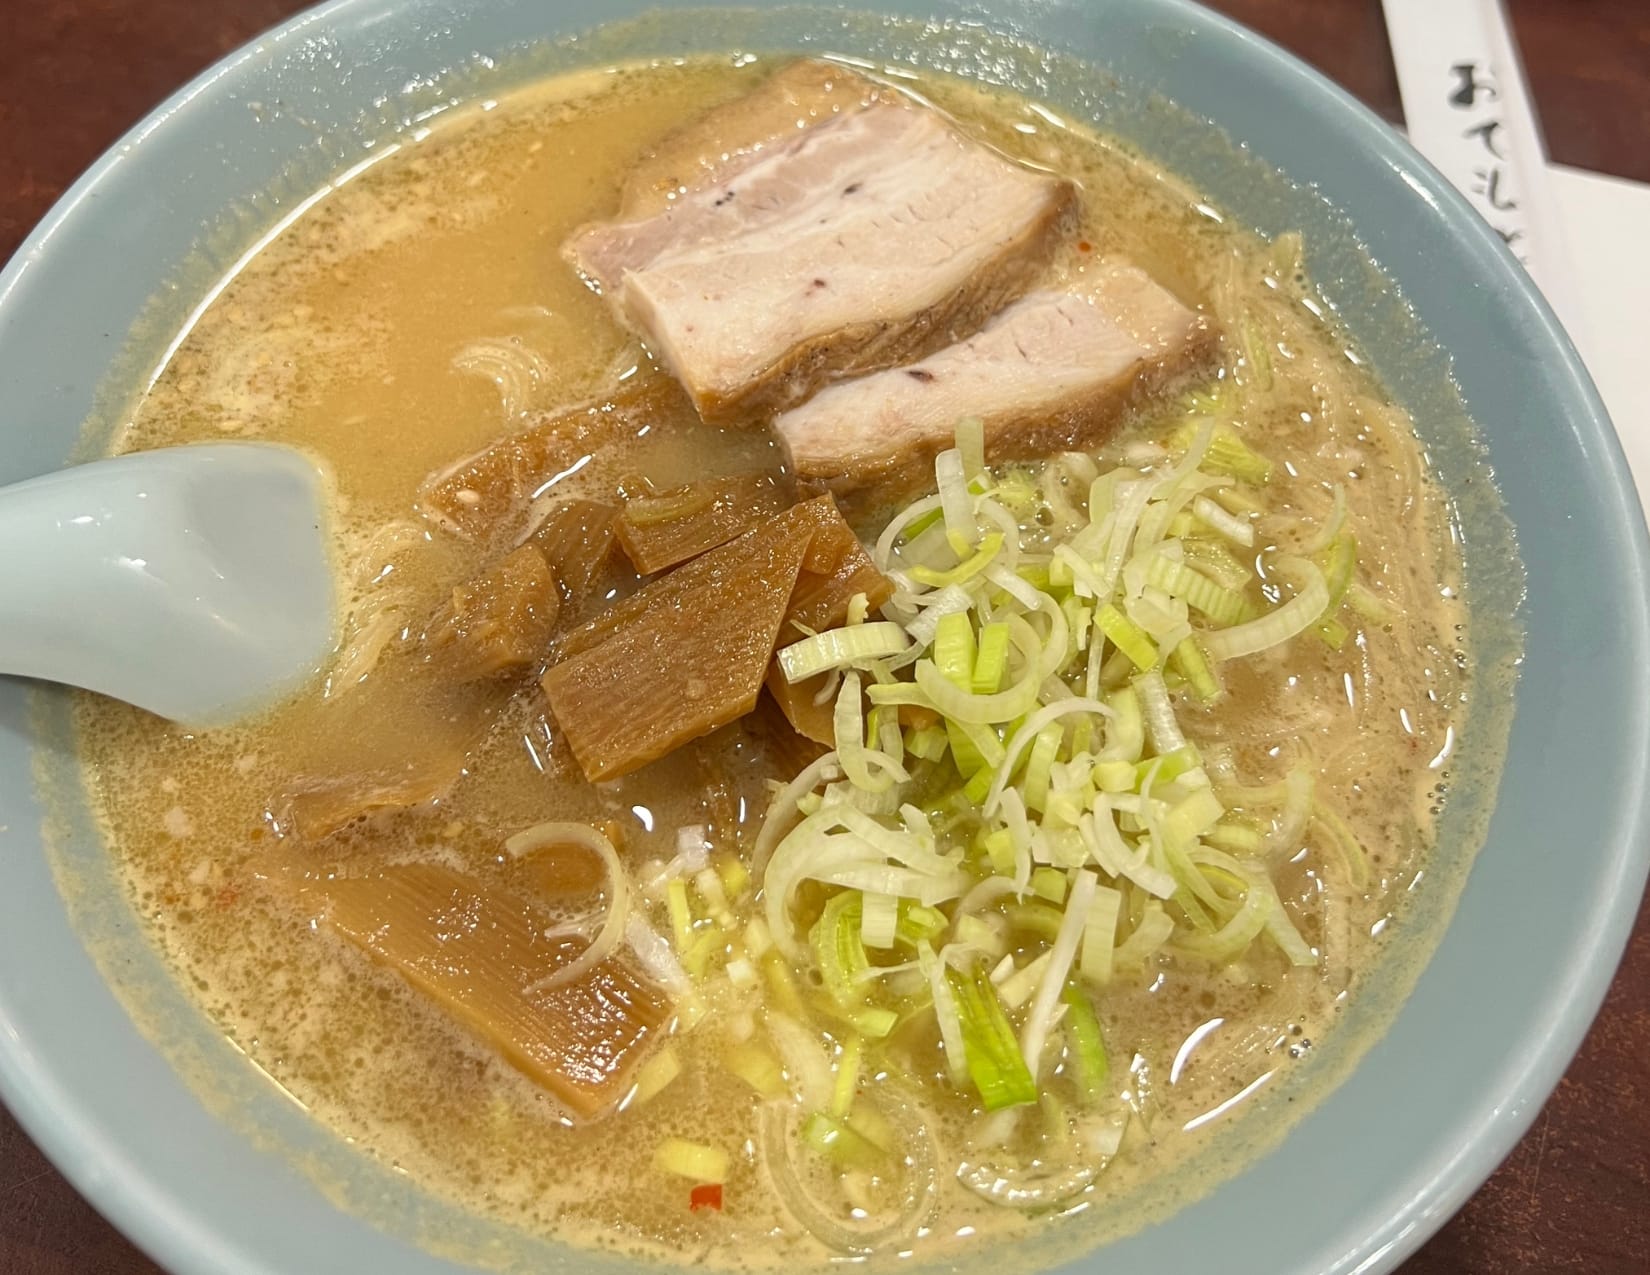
421	310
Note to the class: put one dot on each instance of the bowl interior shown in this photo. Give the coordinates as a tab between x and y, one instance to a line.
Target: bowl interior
186	1148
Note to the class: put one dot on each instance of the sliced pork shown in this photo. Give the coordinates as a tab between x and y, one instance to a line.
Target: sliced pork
1055	370
876	236
724	139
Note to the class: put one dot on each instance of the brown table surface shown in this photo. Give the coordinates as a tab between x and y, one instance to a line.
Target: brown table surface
1575	1194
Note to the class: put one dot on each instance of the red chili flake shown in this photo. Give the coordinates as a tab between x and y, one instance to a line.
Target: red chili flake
228	896
708	1196
1083	245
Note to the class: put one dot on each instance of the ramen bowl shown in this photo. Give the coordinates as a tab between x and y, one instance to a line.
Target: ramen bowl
184	1145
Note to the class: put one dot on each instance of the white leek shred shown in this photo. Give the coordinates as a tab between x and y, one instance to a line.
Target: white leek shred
1294	617
807	1065
879	918
1148	938
960	524
945	1010
1162	727
934	608
654	955
1060	956
692	848
838	648
544	835
867	768
1100	936
783	812
1234	528
1331	526
1022	690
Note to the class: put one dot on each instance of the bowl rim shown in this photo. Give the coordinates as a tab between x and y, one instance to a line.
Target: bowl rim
168	1226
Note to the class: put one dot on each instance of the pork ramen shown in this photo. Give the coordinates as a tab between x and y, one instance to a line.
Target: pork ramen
895	667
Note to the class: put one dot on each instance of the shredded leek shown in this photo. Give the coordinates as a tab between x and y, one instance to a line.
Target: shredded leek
694	1160
847	1077
1295	616
840	1142
954	649
993	1058
656	1073
839	952
1087	1045
879	920
838	648
991	660
1020	812
1127	636
756	1067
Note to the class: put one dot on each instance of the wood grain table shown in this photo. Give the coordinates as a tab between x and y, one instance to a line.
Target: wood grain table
1575	1194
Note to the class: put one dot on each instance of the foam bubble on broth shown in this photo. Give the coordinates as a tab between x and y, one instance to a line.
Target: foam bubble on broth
341	337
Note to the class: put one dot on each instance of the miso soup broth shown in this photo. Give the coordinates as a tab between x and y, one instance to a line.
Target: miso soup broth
1135	732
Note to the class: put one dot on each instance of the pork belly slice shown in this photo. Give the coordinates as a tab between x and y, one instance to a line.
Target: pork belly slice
724	139
1053	371
876	236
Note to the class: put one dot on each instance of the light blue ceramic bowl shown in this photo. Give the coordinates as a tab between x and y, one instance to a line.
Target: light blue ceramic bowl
218	1176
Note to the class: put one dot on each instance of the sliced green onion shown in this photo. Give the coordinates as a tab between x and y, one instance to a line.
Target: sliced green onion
1366	604
1281	930
858	762
1044	747
1061	955
1015	986
954	649
1331	527
756	1067
681	916
1235	837
1162	727
838	648
874	1021
1126	731
917	923
993	1057
696	1161
1216	561
1152	932
926	742
656	1073
1100	936
982	557
1090	1067
970	435
1295	616
1194	666
879	920
1050	884
1353	860
991	661
978	932
1234	527
1241	930
847	1077
954	497
1127	636
1227	453
946	1012
840	1142
1222	606
839	953
964	706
